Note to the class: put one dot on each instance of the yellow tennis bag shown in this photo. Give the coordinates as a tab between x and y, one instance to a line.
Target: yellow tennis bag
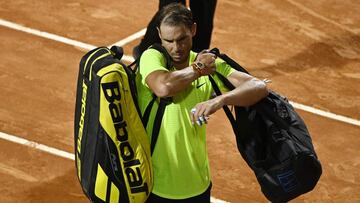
112	150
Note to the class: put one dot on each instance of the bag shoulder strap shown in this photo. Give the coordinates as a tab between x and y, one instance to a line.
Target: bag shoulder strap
229	60
158	119
163	102
227	83
260	106
225	108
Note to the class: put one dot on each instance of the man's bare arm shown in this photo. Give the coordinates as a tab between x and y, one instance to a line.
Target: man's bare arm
166	84
249	90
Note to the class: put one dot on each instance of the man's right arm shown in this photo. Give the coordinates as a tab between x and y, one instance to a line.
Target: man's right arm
168	83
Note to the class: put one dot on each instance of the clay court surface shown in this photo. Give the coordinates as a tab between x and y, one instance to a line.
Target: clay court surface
309	49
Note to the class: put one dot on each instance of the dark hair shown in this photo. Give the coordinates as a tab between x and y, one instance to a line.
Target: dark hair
175	14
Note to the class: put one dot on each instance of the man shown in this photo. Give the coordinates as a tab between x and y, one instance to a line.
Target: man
180	158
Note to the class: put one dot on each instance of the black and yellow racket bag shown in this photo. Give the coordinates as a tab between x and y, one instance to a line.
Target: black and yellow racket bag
112	150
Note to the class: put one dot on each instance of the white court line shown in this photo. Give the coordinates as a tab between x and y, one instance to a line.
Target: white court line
57	152
214	200
130	38
54	37
313	13
127	58
130	59
325	114
45	35
38	146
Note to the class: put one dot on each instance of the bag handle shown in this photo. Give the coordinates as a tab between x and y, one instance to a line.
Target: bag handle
258	106
225	108
229	61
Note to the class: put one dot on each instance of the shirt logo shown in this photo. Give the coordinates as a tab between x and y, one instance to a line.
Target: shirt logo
198	86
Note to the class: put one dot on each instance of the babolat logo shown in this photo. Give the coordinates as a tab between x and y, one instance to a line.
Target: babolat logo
81	127
131	164
82	116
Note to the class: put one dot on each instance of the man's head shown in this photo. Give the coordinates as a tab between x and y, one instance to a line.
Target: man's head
176	29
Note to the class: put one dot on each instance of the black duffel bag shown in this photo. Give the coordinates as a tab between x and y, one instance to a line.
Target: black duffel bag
275	142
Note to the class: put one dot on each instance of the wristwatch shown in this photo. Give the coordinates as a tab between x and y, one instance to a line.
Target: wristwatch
198	67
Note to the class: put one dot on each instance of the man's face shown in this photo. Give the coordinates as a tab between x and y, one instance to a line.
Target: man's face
177	40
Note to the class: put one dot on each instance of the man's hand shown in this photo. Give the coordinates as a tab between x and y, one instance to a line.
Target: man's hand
208	60
201	112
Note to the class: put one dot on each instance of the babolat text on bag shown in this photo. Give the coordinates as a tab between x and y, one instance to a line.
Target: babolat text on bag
112	150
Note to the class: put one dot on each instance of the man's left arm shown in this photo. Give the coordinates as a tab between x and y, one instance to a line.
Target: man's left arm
248	91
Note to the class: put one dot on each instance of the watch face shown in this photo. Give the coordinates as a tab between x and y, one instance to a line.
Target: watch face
200	65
